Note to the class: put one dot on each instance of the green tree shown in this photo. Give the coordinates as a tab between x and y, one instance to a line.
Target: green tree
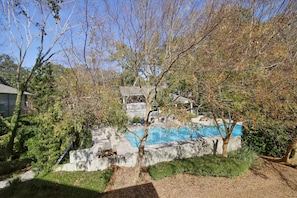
8	70
234	67
127	59
55	131
33	21
45	86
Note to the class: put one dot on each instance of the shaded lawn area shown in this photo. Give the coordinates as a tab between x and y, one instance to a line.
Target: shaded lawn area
61	184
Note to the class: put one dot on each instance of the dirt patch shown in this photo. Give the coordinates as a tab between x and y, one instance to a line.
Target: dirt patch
268	179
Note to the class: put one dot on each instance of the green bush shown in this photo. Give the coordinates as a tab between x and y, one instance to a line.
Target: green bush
3	127
269	140
207	165
28	127
246	154
44	137
117	116
136	120
26	130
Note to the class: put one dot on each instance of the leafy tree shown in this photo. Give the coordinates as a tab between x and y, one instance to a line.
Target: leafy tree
127	58
8	70
33	22
55	131
90	88
154	36
235	64
45	86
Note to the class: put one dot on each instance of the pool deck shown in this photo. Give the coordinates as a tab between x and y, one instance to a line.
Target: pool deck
116	141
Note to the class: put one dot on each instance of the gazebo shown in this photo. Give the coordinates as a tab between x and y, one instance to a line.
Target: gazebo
134	100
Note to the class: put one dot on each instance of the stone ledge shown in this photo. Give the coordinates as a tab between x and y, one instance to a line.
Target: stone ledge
153	155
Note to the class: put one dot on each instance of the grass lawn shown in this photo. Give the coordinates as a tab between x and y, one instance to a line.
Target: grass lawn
205	166
61	184
208	165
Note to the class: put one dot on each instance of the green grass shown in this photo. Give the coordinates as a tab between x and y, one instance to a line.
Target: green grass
61	184
208	165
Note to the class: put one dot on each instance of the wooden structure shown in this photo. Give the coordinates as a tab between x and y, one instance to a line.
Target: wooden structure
134	100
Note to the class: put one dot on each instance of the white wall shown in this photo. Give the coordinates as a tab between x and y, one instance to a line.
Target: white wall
135	110
87	161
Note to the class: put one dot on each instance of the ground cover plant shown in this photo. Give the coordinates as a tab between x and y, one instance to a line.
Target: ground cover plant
207	165
60	184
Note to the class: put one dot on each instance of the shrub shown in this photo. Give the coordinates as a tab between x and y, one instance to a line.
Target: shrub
136	120
207	165
247	154
269	140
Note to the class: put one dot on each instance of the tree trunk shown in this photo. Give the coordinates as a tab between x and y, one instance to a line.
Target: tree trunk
14	124
288	158
143	141
229	131
141	151
215	146
225	146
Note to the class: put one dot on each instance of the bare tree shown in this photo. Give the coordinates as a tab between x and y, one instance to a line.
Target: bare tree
92	85
31	25
159	34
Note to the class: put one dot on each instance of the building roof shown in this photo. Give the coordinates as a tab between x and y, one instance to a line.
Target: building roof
135	91
142	91
5	89
181	99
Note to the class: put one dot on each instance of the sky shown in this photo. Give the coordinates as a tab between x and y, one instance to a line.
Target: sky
29	38
68	7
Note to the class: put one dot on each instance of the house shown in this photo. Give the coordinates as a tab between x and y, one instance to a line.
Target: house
134	101
8	97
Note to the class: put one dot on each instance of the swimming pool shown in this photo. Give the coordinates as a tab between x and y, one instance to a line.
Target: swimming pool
161	135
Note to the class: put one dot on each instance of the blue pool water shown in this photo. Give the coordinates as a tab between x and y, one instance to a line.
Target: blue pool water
162	135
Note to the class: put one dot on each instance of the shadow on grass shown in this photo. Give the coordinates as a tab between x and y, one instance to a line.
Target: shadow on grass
9	167
41	188
144	191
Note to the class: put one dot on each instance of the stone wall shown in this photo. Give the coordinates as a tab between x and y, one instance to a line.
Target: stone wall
85	160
